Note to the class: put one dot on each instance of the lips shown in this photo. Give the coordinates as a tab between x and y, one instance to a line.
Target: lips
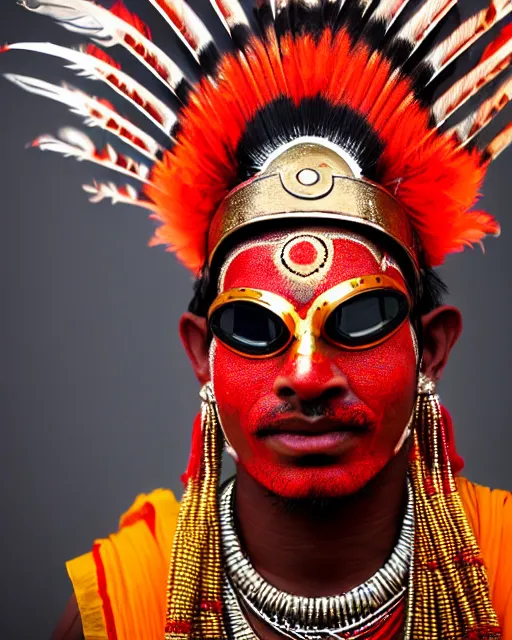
299	436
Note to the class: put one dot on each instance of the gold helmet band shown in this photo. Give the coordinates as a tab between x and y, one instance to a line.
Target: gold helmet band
313	182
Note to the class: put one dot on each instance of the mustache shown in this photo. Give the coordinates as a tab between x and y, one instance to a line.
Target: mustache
308	408
356	417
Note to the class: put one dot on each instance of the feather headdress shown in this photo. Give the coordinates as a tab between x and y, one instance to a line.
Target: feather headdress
358	76
347	89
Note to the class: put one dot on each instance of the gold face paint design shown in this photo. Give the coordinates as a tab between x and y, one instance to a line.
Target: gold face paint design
303	258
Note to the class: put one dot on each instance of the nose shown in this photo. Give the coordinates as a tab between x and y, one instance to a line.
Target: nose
307	378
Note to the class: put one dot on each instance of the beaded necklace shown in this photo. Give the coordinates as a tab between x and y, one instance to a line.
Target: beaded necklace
360	613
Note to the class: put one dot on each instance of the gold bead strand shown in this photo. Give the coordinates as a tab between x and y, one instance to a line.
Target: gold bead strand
194	584
447	570
210	604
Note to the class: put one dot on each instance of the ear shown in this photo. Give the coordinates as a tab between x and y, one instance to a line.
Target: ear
441	330
194	336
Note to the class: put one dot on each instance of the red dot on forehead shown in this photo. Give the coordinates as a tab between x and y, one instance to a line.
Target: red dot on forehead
303	253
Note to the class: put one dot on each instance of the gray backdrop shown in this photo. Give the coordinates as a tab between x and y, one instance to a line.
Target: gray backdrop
97	396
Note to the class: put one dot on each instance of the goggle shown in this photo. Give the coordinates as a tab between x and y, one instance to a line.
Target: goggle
357	314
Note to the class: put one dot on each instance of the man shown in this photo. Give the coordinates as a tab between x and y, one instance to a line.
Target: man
311	185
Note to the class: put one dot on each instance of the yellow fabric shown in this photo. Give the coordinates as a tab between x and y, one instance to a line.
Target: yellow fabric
82	572
136	564
490	516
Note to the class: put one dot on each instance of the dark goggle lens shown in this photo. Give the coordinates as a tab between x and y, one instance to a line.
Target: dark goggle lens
367	317
249	328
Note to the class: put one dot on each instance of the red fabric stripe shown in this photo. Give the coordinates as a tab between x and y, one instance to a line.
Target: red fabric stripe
102	590
196	452
391	626
146	513
456	461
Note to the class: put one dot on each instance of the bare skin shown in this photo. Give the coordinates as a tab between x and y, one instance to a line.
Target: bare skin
70	625
339	547
357	535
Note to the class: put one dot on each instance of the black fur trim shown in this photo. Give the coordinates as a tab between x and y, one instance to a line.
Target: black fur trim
209	59
263	17
281	121
374	33
176	129
240	35
307	19
282	23
419	77
331	12
397	51
351	17
183	89
298	18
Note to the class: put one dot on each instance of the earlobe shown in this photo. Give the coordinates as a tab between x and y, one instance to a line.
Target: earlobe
194	336
441	330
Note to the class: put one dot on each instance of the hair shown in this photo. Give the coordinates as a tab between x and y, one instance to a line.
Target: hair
428	295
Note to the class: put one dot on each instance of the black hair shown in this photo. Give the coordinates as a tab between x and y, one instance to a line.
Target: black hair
428	295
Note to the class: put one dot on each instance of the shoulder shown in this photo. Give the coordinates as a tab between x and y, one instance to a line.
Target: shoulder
489	512
120	584
69	626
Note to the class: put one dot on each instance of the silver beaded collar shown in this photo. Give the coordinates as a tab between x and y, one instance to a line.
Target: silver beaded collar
303	618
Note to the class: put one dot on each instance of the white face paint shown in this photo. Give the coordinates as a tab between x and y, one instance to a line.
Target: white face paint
211	359
408	427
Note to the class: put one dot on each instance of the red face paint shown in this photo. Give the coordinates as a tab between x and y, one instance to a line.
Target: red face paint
318	424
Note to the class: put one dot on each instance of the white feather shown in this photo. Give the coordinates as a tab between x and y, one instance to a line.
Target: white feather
91	67
94	112
470	84
107	29
72	143
389	10
421	23
127	194
230	13
70	146
190	28
466	34
463	129
476	122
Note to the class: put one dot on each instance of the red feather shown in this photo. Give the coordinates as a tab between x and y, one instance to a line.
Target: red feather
95	51
120	10
436	183
505	35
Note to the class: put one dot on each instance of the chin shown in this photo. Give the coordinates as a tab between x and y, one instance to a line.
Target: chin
315	481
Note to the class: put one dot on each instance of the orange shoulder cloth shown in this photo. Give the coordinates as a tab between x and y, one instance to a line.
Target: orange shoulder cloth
120	585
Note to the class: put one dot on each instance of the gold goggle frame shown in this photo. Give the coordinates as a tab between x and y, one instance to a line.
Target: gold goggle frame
306	331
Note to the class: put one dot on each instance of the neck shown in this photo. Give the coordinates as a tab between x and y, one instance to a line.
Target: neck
317	549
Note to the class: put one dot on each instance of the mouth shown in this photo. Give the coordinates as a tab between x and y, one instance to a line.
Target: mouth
296	437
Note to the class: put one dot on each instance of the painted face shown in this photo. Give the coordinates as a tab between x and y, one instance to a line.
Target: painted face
315	420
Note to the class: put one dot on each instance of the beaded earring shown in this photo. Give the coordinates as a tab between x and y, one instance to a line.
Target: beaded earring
446	555
449	589
194	600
